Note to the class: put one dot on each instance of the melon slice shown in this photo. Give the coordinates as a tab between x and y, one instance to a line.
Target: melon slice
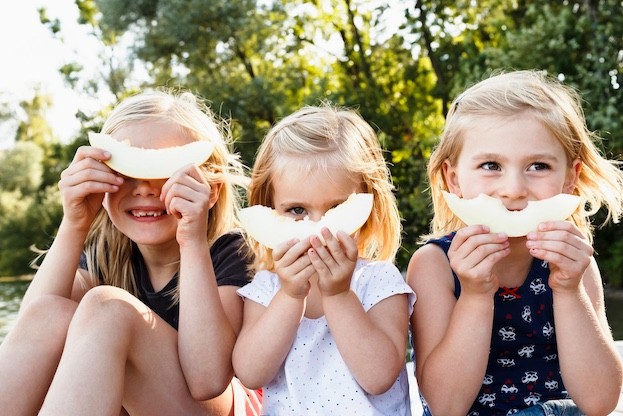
269	228
137	162
489	211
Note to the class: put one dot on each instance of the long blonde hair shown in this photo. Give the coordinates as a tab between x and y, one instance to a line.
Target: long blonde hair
558	108
322	137
108	251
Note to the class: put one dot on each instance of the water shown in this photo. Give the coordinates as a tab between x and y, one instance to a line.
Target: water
10	297
11	293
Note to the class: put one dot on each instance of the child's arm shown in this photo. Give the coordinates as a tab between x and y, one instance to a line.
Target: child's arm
373	343
206	337
452	336
82	186
589	363
268	332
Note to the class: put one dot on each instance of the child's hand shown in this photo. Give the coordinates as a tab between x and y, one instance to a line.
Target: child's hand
188	197
293	267
334	262
83	185
473	253
567	251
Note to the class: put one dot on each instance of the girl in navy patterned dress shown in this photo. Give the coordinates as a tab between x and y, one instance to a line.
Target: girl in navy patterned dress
515	325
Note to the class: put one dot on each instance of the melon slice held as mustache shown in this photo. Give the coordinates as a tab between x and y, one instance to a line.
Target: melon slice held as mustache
137	162
489	211
270	228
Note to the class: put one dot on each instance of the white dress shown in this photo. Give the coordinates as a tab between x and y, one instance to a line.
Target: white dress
314	379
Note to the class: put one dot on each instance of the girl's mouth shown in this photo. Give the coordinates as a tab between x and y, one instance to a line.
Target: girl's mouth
141	213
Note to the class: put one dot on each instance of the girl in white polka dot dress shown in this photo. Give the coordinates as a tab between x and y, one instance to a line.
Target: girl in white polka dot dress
325	326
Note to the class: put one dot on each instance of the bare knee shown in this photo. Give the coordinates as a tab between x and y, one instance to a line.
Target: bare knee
107	307
47	317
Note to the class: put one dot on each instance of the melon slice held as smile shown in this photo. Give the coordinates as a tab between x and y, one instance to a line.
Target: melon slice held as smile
270	228
489	211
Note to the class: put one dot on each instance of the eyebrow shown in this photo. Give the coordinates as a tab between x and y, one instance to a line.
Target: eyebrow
297	203
533	156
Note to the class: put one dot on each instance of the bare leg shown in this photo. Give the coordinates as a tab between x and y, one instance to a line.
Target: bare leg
30	354
119	352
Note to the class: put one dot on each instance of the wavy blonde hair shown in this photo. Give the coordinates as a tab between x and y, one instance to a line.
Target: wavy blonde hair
558	108
108	251
322	137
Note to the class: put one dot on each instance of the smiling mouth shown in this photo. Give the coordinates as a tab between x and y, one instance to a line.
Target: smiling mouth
142	213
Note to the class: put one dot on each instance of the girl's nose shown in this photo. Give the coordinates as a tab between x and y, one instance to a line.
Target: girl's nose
147	187
513	185
315	216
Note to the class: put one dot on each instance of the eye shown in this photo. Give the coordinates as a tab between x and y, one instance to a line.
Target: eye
490	166
297	211
539	166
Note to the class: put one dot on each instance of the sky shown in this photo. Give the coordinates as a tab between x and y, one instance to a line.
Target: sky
30	58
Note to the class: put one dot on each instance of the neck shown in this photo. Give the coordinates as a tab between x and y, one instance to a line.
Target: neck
162	263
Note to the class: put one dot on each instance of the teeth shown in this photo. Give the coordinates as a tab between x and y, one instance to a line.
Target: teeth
139	213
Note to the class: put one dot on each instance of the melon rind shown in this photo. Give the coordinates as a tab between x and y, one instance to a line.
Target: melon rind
270	229
137	162
489	211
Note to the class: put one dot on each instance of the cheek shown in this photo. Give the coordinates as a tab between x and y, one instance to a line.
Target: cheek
109	204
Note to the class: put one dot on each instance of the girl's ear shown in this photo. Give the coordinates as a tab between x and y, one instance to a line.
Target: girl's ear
451	178
573	175
215	191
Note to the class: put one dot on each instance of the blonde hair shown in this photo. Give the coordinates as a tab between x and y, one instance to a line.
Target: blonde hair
323	137
558	108
108	251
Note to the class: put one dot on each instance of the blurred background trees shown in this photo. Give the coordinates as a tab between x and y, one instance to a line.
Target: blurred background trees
399	63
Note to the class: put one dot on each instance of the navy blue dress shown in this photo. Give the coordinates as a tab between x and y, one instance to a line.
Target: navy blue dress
523	367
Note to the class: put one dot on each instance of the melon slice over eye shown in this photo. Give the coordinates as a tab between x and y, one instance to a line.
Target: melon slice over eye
137	162
489	211
270	228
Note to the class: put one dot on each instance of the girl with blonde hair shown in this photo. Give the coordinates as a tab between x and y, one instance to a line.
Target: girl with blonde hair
325	326
516	325
134	307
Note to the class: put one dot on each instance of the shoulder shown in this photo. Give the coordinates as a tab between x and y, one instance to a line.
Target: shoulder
262	288
428	262
231	259
375	281
233	240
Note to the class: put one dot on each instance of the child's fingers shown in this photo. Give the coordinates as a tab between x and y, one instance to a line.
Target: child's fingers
324	253
87	175
290	250
95	153
188	175
475	244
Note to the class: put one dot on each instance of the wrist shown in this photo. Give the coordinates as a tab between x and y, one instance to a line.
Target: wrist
328	298
73	230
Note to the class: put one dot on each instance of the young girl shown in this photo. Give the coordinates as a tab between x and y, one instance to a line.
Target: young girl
138	290
504	324
325	327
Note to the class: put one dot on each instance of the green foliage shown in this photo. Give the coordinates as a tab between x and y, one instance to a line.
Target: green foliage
259	61
21	168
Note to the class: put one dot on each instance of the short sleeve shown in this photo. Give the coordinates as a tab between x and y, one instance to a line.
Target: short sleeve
376	281
262	288
231	259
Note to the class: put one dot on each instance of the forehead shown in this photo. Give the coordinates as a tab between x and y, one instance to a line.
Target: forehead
297	179
152	134
512	136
